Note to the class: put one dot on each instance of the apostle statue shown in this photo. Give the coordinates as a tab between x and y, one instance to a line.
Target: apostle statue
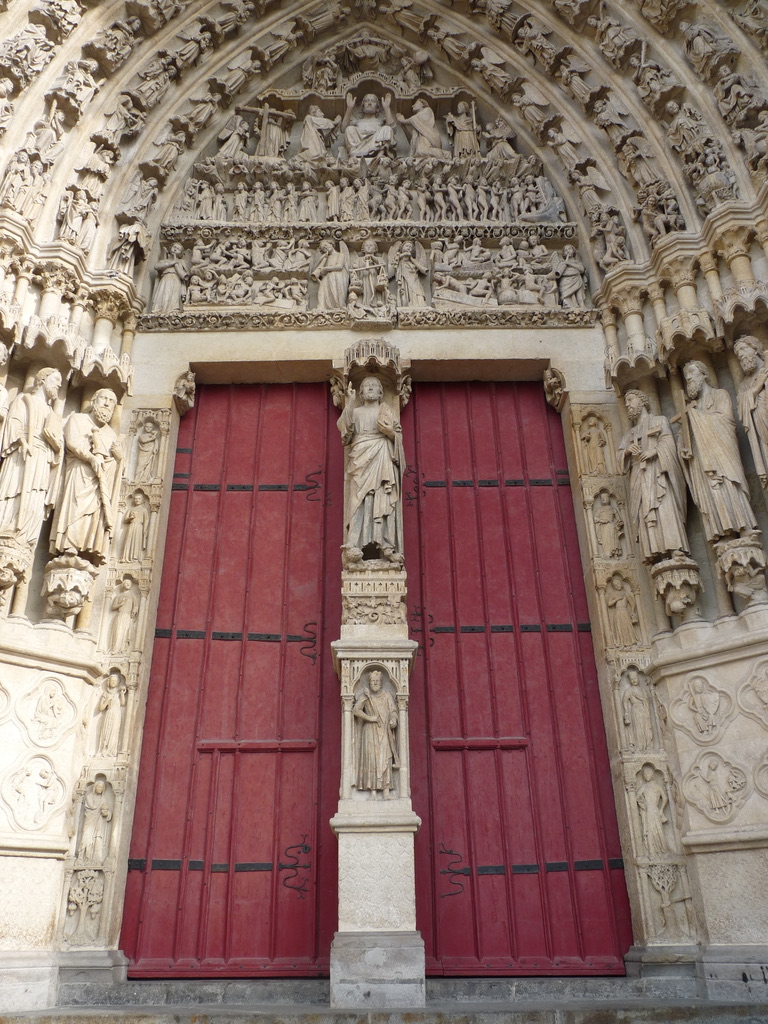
31	449
374	470
752	401
376	747
85	514
370	133
657	497
711	457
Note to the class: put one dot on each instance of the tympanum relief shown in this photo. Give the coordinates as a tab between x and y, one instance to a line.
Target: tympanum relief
377	196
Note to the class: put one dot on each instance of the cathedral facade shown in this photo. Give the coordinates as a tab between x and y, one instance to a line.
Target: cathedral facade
383	473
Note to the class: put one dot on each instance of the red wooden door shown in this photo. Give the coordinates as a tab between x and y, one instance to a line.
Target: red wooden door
518	860
233	865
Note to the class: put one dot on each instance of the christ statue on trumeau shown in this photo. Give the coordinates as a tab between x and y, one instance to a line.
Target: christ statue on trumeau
374	470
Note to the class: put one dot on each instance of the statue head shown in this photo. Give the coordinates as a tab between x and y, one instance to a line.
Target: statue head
370	104
49	379
605	497
371	390
648	771
374	679
103	405
696	375
749	352
635	402
98	786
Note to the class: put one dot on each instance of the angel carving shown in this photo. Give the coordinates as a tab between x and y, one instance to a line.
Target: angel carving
564	142
233	138
452	41
408	263
491	66
532	104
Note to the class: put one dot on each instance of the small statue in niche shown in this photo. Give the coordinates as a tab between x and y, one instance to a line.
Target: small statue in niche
376	747
711	457
622	612
136	521
171	285
375	463
657	498
752	401
148	446
636	710
97	814
652	803
125	605
32	444
111	705
609	526
594	440
85	514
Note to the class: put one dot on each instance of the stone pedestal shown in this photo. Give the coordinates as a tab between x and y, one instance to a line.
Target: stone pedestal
377	969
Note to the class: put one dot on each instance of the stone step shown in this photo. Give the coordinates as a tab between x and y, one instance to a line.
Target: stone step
674	1012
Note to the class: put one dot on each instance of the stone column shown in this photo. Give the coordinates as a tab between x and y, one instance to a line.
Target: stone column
377	956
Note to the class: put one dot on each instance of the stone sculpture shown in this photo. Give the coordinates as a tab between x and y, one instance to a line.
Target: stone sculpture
331	271
657	498
622	612
711	457
752	401
147	449
170	287
136	521
374	470
85	511
370	133
97	810
125	606
593	442
609	526
377	755
636	710
652	803
31	448
111	707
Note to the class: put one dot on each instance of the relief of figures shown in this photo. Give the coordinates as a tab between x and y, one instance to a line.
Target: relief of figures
609	526
34	793
125	608
376	757
136	523
716	787
621	607
368	155
702	710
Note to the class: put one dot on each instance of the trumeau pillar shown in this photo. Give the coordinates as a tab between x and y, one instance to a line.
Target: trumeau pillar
377	956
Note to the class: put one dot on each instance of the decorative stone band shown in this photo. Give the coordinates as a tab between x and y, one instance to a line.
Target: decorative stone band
328	319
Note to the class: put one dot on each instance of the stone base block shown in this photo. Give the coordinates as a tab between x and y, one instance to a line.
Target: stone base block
94	967
28	981
734	973
381	970
659	961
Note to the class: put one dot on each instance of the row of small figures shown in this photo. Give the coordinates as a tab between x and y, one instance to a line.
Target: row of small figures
349	201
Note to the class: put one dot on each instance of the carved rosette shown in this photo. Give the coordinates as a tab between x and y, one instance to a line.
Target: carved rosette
742	563
67	585
678	584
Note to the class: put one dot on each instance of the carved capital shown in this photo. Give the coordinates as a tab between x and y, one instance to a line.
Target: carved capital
56	278
608	317
681	271
734	242
630	300
656	293
708	262
109	305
